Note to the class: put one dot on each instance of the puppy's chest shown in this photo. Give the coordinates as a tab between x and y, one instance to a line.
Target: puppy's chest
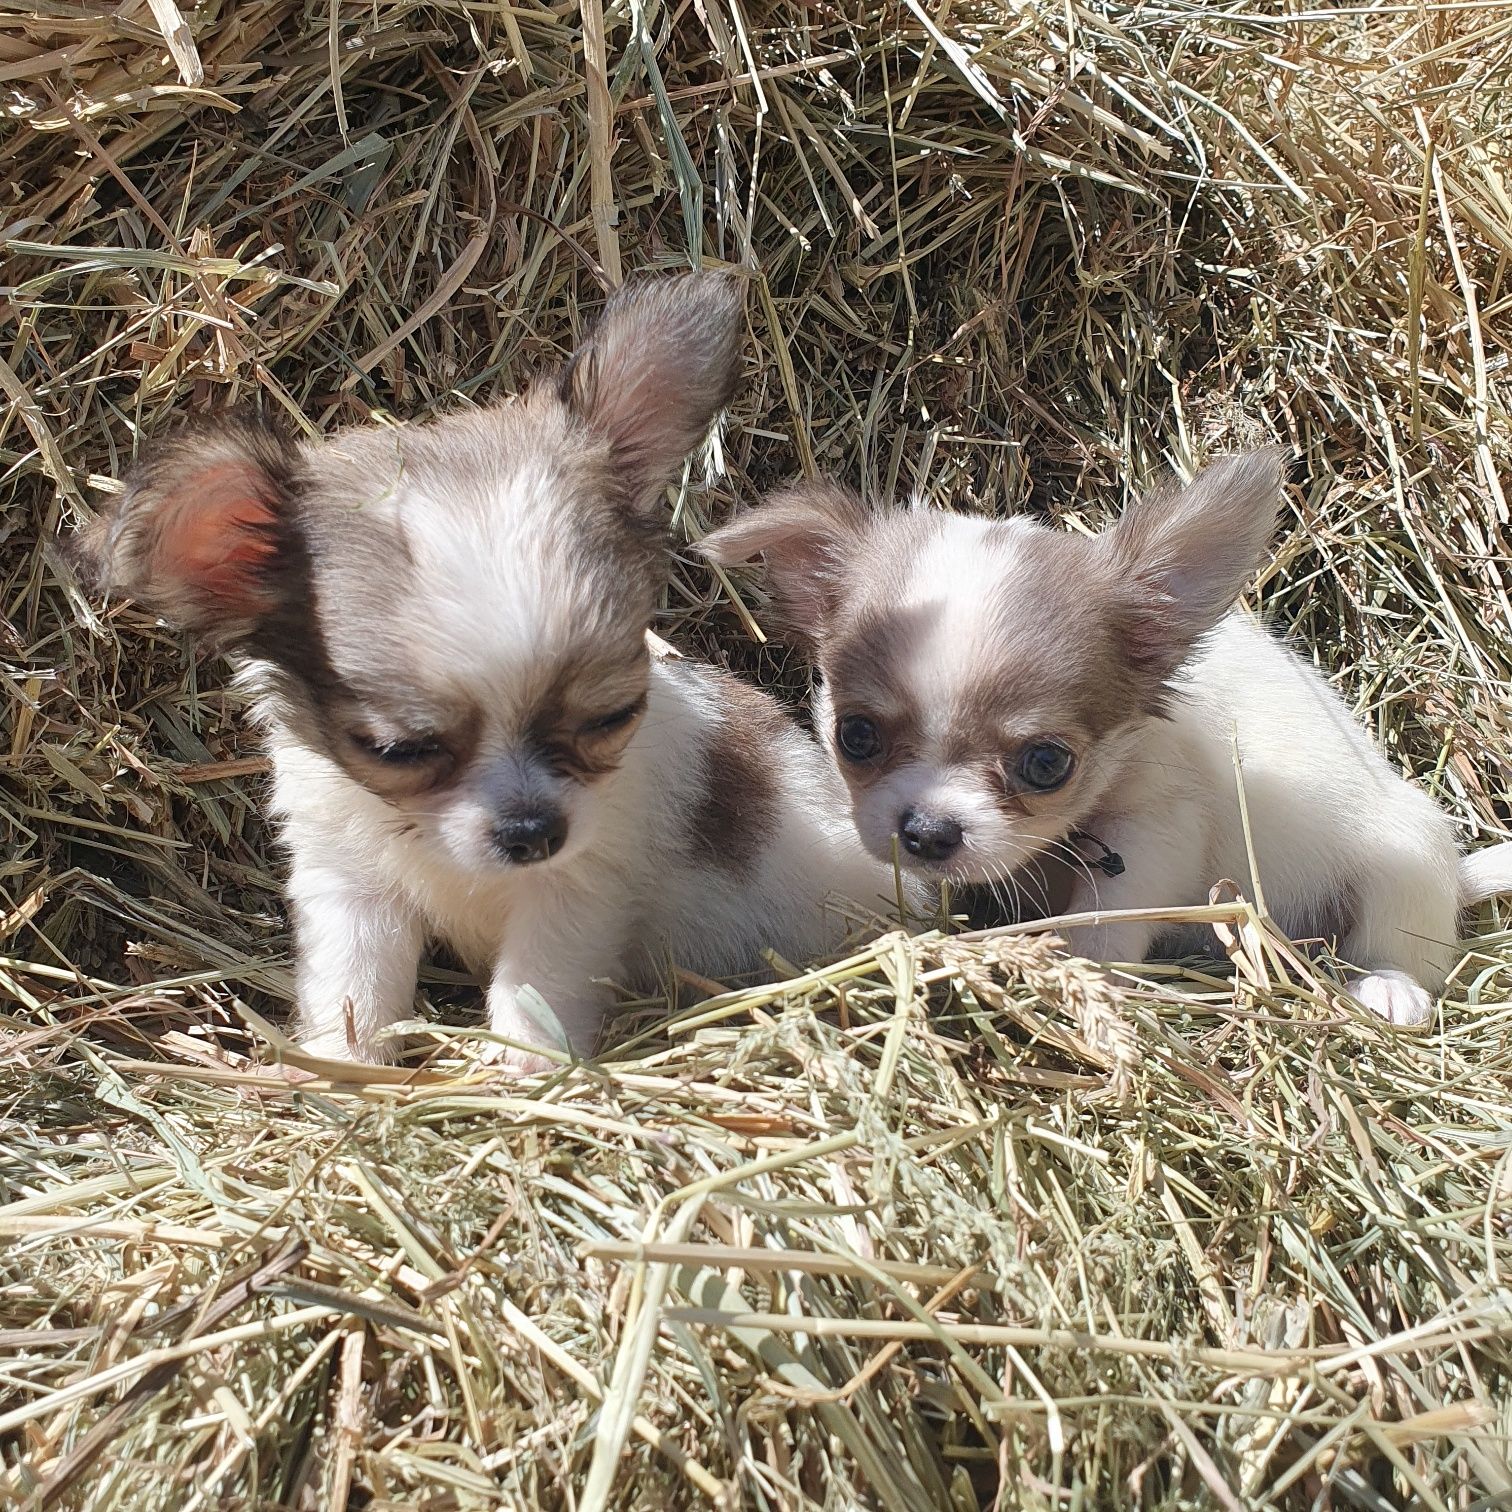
470	911
512	914
474	918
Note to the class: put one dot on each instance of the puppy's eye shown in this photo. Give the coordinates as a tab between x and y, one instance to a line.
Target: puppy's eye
409	752
858	738
606	724
1045	765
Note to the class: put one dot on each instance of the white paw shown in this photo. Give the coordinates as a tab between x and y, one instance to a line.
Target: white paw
341	1057
1393	996
521	1014
515	1060
331	1047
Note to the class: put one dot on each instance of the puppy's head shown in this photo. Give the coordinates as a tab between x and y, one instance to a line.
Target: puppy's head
453	612
985	683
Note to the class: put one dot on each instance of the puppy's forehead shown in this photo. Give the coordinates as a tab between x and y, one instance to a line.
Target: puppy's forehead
474	547
986	626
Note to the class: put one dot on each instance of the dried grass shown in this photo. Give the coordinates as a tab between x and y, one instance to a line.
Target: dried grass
954	1223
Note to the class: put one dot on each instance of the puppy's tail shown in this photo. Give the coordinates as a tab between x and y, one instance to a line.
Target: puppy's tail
1485	874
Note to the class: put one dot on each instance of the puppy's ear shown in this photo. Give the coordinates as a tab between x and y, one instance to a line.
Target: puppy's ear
662	361
1182	556
199	532
804	535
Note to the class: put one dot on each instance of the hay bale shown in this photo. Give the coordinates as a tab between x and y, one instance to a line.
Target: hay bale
952	1224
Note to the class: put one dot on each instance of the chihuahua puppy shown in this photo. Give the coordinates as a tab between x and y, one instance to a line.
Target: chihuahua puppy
996	693
445	626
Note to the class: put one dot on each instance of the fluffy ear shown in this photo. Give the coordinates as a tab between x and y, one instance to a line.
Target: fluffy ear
804	535
199	531
662	361
1186	554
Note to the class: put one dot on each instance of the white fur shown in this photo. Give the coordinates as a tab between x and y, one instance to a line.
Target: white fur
490	575
443	624
1330	820
1337	833
365	892
1485	874
941	597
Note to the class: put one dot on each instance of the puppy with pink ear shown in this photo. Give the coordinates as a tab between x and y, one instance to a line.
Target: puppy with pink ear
445	627
1010	704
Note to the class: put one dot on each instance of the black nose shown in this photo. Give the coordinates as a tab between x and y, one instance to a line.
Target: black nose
524	838
928	836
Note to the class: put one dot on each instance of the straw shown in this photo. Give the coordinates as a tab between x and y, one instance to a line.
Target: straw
957	1221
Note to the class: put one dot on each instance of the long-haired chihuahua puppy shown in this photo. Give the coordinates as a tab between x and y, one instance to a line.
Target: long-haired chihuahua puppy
445	628
998	693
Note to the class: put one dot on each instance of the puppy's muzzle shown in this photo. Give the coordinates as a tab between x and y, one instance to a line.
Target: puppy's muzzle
524	838
930	837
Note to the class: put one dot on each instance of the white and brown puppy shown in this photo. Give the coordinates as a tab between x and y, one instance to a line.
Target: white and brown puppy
996	693
445	625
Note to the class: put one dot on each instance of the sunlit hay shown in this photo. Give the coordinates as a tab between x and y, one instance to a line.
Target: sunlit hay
952	1223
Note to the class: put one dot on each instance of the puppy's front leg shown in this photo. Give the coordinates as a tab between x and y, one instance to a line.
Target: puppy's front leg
358	955
1160	870
556	946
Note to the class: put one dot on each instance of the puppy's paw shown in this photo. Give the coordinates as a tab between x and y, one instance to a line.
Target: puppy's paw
1393	996
334	1059
512	1060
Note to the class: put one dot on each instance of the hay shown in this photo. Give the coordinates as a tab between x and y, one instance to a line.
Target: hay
954	1223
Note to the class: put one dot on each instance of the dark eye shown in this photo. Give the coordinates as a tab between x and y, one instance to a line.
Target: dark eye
858	738
615	721
1045	765
400	752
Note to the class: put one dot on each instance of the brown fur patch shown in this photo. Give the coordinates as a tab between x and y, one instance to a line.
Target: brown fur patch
1059	662
862	668
868	651
737	808
565	725
456	738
